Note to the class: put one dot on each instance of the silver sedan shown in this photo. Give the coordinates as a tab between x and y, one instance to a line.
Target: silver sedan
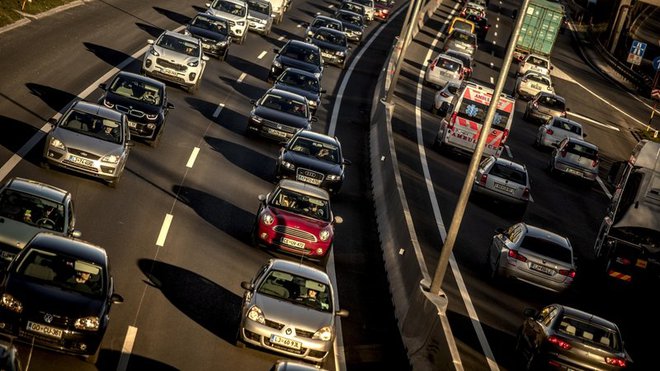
503	180
575	157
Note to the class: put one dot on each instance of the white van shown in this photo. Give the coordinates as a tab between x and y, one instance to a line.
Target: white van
235	12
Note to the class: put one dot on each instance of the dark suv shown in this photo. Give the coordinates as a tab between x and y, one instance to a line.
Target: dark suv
279	114
296	54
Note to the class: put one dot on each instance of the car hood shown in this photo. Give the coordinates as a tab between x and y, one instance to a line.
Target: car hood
132	103
305	93
37	297
225	15
86	143
15	233
207	34
297	221
293	315
174	57
281	117
257	15
328	46
291	62
311	162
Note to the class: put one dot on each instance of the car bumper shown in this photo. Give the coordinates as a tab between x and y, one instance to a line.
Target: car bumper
267	236
238	31
495	194
332	186
96	168
532	278
260	335
265	131
144	130
186	77
575	171
540	116
258	26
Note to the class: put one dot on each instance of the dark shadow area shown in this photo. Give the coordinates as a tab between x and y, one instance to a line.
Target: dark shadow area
153	31
247	90
55	98
176	17
251	161
303	24
223	215
205	108
108	55
432	35
321	7
156	186
233	120
200	9
489	48
416	65
249	67
313	14
15	133
108	360
508	211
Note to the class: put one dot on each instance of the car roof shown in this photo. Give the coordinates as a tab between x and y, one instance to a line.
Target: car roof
286	94
509	163
34	187
301	269
555	96
582	143
213	17
454	51
567	120
330	30
302	44
318	136
449	57
547	235
537	56
98	110
69	246
301	72
138	77
573	312
304	188
182	36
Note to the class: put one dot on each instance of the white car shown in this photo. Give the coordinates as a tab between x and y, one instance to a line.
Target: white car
369	7
260	18
235	12
279	7
445	94
556	129
535	63
443	69
532	83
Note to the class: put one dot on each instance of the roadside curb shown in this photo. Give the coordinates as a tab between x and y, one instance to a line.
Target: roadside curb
30	17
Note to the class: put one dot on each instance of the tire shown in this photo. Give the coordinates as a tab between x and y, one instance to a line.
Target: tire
493	270
243	39
526	116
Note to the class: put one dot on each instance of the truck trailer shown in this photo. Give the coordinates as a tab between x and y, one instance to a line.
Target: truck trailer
541	24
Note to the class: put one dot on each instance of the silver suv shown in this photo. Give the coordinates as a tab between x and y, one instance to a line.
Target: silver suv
177	58
235	12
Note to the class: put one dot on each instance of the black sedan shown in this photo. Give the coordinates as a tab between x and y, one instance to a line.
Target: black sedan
213	32
353	24
313	158
563	338
279	114
296	54
333	44
323	21
143	100
57	293
302	83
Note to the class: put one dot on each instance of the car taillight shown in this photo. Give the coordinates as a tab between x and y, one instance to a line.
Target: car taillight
615	361
549	132
535	105
559	342
525	194
433	64
505	135
567	272
483	179
595	161
452	120
516	255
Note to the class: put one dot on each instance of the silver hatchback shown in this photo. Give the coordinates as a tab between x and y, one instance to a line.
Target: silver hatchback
503	180
575	157
442	70
545	106
533	255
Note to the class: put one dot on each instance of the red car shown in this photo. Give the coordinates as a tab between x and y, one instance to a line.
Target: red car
383	9
296	218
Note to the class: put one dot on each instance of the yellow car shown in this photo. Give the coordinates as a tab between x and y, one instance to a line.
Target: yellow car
461	24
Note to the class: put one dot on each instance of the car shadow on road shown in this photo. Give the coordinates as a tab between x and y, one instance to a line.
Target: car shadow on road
255	163
313	14
176	17
247	90
254	69
108	360
227	118
55	98
153	31
210	305
108	55
15	133
287	35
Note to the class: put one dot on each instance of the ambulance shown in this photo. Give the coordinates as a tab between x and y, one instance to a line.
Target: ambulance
467	112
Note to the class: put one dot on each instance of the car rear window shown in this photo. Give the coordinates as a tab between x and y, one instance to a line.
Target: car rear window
568	126
461	57
602	337
448	65
538	62
538	78
547	248
509	173
581	150
552	103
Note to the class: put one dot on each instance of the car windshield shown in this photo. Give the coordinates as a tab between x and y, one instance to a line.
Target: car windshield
297	289
509	173
93	126
589	332
552	103
259	7
137	90
461	25
302	54
447	64
336	38
302	204
547	249
178	45
323	151
537	61
282	104
63	271
452	88
213	25
228	7
305	82
353	19
568	126
581	150
476	112
357	8
32	210
539	79
383	2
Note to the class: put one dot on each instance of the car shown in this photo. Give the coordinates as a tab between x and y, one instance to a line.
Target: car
354	7
462	41
296	218
279	114
503	180
90	139
289	308
176	58
28	207
57	294
383	9
260	17
279	7
236	12
533	255
10	361
556	129
296	54
289	365
313	158
531	84
545	106
443	69
534	63
444	95
559	337
369	7
213	32
333	44
482	25
353	24
302	83
144	102
323	21
461	24
473	8
466	59
575	157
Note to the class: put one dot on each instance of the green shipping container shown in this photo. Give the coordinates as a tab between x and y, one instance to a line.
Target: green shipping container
540	27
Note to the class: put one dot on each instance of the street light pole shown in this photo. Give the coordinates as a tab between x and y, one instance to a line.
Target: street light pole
448	246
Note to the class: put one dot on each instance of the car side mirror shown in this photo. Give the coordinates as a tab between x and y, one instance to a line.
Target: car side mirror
247	285
261	197
530	312
568	110
116	299
150	41
347	162
342	313
103	86
76	233
584	135
315	119
170	105
339	220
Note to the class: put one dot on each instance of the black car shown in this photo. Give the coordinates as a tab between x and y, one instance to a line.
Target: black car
313	158
333	44
143	100
563	338
481	25
57	293
353	24
279	114
296	54
302	83
213	32
323	21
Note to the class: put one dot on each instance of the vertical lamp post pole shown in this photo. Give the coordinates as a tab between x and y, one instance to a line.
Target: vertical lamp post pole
448	246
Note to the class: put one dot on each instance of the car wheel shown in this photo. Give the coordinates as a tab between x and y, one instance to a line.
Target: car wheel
526	116
537	142
493	267
551	168
239	341
531	362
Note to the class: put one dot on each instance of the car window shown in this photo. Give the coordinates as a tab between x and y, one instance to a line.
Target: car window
547	248
460	56
582	150
231	8
453	88
462	37
509	173
301	204
331	37
282	104
463	25
602	337
297	289
93	126
368	3
552	103
323	151
537	78
259	7
302	54
515	232
447	64
178	45
568	126
353	19
304	82
137	90
547	314
32	210
537	61
210	24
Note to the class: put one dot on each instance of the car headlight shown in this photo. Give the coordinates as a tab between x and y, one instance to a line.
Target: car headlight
313	103
255	314
54	142
11	303
241	23
324	235
333	177
153	51
186	32
90	323
267	219
277	63
340	53
222	43
310	33
112	159
255	118
193	63
151	126
152	117
317	75
288	165
324	334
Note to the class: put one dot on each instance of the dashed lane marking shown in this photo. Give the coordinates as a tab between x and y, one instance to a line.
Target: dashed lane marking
241	77
593	121
127	348
218	109
164	229
193	157
262	54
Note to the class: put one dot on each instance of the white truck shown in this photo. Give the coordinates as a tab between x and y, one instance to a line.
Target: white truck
467	112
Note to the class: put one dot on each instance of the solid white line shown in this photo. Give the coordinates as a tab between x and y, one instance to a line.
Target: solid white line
593	121
218	109
602	185
262	54
127	348
241	77
23	151
163	230
193	157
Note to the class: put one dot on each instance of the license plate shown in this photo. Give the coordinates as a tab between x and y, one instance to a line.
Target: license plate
307	179
276	133
289	343
293	243
80	160
573	171
169	72
536	86
326	55
504	188
44	330
542	269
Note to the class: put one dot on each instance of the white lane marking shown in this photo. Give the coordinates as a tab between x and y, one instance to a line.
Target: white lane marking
127	348
299	25
474	318
280	38
193	157
602	185
218	109
241	77
495	34
23	151
593	121
338	344
163	230
493	42
498	19
262	54
492	80
497	25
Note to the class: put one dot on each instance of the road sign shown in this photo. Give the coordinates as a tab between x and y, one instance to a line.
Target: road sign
638	48
634	59
656	64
